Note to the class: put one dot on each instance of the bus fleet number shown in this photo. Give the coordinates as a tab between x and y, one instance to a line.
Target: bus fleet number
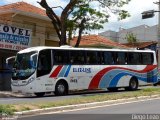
73	81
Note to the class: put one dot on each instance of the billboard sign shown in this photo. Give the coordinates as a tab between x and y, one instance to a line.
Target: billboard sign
14	38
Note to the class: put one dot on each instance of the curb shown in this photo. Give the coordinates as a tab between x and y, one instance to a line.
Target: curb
80	106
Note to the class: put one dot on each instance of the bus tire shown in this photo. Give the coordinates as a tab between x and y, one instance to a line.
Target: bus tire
112	89
133	84
41	94
61	88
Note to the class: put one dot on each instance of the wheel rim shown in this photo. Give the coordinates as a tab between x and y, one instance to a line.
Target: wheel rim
61	88
133	84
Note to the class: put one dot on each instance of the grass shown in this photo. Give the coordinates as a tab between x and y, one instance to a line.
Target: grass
7	109
10	109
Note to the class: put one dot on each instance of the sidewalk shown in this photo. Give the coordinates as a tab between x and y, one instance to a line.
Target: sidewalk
7	94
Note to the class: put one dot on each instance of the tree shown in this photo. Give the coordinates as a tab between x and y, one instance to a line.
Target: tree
80	15
131	38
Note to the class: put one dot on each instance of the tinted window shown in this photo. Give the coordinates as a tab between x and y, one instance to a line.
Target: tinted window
134	58
44	63
91	57
121	58
77	57
108	58
147	58
99	58
60	57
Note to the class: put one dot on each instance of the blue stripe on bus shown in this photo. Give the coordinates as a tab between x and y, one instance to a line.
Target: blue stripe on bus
109	76
62	72
67	72
115	80
108	81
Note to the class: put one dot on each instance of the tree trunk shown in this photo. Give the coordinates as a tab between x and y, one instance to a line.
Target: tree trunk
64	17
81	28
63	34
51	14
70	36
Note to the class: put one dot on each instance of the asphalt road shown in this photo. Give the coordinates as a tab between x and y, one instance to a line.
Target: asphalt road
49	98
143	110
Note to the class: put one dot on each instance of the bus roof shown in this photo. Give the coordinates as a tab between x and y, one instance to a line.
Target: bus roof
39	48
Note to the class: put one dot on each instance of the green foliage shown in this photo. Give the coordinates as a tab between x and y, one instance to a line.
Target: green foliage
131	38
96	13
123	14
25	108
94	18
81	15
6	109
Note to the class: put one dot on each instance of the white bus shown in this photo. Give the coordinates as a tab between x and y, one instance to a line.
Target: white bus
40	70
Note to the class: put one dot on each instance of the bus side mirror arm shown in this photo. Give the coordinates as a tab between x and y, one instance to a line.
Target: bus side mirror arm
9	58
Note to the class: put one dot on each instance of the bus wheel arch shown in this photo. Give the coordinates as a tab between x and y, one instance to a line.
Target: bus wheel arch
61	87
133	84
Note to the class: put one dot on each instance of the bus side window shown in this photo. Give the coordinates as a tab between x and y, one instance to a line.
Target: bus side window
109	58
121	58
77	57
99	58
44	63
61	57
134	58
91	57
114	58
147	58
102	58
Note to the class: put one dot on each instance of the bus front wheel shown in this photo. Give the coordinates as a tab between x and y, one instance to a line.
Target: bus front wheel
61	88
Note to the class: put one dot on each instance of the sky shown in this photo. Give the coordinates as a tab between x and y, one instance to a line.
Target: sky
135	8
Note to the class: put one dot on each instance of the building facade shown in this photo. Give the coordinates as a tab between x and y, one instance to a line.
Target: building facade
16	20
143	33
112	35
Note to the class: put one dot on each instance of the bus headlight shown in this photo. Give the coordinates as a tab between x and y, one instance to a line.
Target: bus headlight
31	80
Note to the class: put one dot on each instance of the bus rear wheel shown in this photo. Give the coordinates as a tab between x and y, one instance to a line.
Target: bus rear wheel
41	94
133	84
61	88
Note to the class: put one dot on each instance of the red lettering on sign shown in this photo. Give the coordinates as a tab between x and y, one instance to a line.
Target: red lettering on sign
1	46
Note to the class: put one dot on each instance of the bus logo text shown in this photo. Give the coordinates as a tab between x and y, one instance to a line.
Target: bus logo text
86	70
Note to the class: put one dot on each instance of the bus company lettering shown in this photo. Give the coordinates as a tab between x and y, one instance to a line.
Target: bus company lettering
85	70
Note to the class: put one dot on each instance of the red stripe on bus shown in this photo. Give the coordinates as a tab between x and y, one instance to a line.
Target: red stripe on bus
97	78
56	71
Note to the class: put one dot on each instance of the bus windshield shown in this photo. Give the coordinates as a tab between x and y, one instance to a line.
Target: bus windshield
25	65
